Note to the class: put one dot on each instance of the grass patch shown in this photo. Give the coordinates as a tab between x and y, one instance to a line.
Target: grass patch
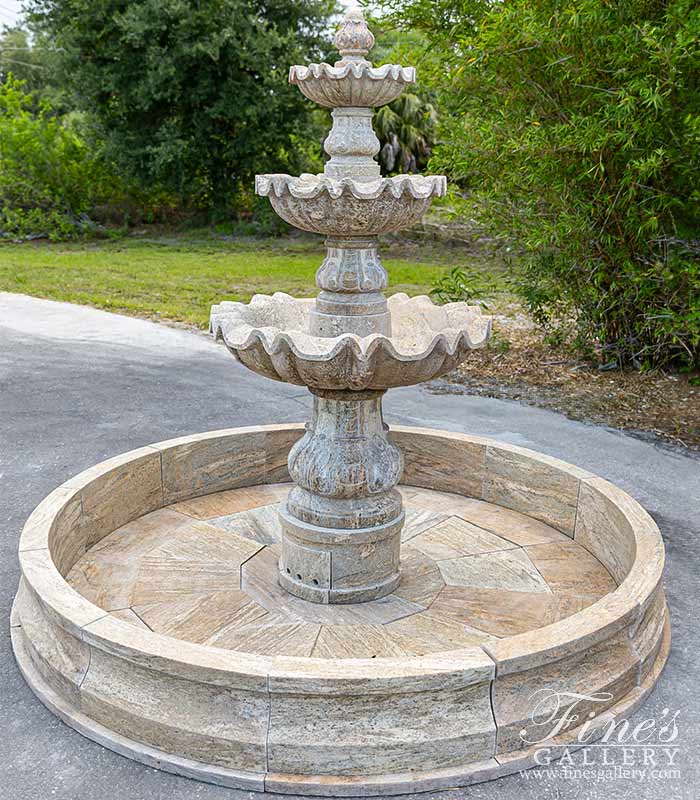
178	278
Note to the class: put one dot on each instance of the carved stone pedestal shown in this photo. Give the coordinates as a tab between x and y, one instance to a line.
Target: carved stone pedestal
352	280
342	521
343	518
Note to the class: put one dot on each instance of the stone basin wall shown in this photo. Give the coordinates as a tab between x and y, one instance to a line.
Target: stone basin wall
349	726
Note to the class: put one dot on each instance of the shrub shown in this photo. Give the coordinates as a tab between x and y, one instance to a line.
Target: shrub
406	127
53	183
461	286
576	129
46	171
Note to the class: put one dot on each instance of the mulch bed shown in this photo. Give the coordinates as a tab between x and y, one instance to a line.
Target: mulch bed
522	366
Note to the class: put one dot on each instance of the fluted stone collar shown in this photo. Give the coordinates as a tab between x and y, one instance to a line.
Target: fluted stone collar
310	186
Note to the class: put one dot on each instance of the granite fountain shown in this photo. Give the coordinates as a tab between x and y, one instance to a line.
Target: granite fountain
342	521
342	608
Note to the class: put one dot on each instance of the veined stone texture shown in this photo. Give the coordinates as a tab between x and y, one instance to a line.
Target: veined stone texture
199	662
352	145
353	84
270	336
353	81
213	580
135	648
341	527
351	206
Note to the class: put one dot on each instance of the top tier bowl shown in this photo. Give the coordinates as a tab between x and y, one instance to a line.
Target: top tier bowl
351	84
351	198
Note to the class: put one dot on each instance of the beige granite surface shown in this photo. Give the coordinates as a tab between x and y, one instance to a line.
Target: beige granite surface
178	611
205	571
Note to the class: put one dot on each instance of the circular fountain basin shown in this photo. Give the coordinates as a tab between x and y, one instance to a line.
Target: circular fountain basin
149	616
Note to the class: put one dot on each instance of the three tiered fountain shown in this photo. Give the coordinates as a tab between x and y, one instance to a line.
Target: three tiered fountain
342	521
342	609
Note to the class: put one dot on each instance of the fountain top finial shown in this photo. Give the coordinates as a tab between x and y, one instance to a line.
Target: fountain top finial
354	39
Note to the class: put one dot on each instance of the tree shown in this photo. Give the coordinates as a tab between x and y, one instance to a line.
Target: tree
191	95
21	58
575	129
405	128
49	180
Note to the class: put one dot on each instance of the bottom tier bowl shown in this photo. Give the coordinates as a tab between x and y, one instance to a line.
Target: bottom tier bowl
149	618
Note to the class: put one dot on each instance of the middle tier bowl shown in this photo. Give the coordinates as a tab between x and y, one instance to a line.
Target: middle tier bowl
270	336
350	207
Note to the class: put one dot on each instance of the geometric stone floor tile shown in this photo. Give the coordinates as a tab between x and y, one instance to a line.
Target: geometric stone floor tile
214	505
203	542
570	569
505	569
167	572
198	617
271	635
454	538
357	641
205	571
259	524
512	525
160	579
144	533
419	520
427	633
221	504
497	611
421	580
104	580
158	556
442	502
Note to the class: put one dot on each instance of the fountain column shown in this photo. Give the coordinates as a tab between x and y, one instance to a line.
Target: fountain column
343	518
352	280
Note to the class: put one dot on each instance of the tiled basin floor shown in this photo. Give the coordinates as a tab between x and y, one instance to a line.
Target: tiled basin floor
205	571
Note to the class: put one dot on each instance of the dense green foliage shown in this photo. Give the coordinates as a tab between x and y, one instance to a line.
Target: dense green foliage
22	60
52	183
48	178
192	96
576	129
460	285
405	128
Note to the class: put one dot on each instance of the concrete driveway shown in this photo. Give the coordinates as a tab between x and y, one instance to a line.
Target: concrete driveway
78	385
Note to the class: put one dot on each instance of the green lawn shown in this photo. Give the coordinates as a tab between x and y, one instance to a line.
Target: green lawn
180	277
